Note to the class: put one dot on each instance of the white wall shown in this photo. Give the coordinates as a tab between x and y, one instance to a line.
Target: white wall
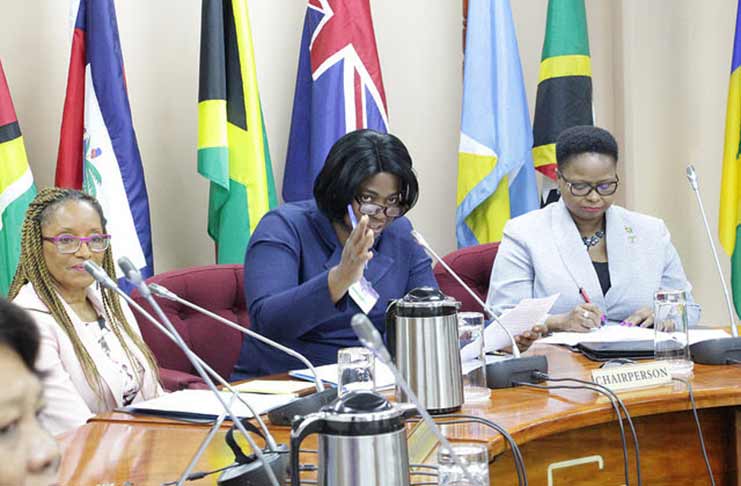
660	78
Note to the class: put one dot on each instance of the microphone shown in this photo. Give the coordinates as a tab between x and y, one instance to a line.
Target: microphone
714	351
371	339
500	374
284	414
271	463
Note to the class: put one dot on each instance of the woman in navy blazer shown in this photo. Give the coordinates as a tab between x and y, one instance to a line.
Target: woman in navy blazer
605	262
303	257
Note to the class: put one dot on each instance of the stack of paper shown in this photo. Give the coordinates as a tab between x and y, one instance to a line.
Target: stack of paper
622	333
203	405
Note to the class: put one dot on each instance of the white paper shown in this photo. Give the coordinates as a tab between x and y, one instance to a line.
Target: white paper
328	374
623	333
204	402
517	320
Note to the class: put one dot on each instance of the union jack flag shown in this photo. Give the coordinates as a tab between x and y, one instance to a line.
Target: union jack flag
339	88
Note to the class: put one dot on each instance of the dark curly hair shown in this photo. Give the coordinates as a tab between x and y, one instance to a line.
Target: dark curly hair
355	157
584	139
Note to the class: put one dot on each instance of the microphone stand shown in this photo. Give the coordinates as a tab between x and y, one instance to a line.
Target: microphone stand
499	374
714	351
284	414
132	274
161	291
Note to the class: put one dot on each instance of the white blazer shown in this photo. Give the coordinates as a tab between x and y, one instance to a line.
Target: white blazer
542	254
70	401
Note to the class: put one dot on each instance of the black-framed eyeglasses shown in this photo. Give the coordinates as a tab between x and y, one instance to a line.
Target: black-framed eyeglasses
372	209
582	189
71	243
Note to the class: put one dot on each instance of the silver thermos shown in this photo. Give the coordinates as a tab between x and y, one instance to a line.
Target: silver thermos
362	442
422	335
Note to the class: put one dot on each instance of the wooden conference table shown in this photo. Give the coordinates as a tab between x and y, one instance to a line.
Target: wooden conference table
553	428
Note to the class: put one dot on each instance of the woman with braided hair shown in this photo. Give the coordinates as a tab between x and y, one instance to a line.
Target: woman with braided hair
92	358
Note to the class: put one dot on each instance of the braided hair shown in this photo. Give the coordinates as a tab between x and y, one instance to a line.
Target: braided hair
32	269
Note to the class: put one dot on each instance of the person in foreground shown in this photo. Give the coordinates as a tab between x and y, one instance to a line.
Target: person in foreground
304	257
30	455
92	357
605	262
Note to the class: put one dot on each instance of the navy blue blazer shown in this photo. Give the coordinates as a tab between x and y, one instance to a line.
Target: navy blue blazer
285	283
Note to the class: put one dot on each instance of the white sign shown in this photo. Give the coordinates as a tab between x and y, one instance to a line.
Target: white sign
630	376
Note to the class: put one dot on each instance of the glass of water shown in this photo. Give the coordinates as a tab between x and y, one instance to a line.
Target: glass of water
356	370
471	344
671	329
474	457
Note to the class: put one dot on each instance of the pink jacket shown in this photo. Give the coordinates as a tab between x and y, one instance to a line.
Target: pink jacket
70	401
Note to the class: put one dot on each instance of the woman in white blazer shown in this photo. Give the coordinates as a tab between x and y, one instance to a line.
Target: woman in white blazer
92	358
605	262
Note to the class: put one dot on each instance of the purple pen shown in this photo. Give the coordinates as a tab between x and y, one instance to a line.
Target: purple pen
351	213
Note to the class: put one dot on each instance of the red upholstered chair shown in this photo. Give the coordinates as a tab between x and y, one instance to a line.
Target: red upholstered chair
473	266
218	288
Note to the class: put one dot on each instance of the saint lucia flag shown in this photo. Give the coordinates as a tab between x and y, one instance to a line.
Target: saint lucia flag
496	178
16	186
729	221
98	152
232	145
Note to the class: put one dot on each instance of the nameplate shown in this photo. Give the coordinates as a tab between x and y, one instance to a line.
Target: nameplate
629	376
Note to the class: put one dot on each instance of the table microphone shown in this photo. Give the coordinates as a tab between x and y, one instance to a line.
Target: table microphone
102	277
282	415
724	350
499	374
371	339
259	472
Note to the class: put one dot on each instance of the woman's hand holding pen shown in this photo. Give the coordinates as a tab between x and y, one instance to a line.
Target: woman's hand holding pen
582	318
355	255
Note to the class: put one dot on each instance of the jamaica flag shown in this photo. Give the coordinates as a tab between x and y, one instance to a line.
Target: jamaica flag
232	145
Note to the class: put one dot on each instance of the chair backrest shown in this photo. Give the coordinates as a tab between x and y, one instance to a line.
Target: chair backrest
218	288
473	266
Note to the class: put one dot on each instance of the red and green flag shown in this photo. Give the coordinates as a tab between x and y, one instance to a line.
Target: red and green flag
16	186
232	145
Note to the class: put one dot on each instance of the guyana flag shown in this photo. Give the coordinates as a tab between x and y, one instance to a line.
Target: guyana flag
564	96
16	186
729	220
232	145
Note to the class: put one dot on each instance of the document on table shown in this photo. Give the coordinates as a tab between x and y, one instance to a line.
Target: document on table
622	333
203	405
328	374
517	320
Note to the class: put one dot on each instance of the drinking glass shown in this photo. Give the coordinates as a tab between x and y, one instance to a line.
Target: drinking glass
471	333
474	457
356	370
671	331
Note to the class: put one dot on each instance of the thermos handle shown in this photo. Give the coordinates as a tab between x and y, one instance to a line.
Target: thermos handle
307	426
391	328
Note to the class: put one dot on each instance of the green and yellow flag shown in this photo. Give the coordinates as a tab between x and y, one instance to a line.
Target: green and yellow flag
729	220
16	186
232	145
564	96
